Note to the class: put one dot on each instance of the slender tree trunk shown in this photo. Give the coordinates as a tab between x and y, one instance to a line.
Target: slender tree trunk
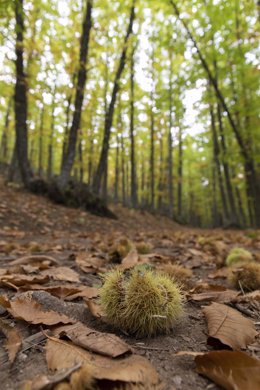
241	207
50	145
180	172
81	165
230	194
20	98
67	115
81	82
134	200
110	111
4	140
170	144
116	170
216	152
40	144
161	177
123	170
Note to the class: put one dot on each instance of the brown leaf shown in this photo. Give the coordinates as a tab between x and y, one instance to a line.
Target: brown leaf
207	287
249	297
103	343
65	291
44	382
133	369
89	263
221	273
130	260
13	341
229	326
62	273
26	308
216	296
94	308
34	259
19	280
233	370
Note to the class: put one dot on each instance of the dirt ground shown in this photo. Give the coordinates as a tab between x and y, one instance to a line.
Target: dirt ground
33	225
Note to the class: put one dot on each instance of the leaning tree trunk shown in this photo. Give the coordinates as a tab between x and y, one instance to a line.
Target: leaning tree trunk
253	187
102	164
70	153
20	98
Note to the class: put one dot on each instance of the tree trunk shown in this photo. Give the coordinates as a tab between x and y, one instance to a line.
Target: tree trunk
20	98
180	172
67	115
134	200
116	171
40	144
216	152
250	171
170	143
110	111
50	145
123	170
230	194
81	82
4	140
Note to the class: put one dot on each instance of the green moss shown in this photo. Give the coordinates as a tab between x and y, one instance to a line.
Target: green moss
238	255
141	302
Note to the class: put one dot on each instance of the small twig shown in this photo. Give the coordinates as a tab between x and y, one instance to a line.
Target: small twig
151	348
241	288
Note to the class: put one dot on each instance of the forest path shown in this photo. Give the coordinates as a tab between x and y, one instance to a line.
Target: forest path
32	225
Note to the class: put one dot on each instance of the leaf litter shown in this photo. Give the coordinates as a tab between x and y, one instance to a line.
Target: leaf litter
51	329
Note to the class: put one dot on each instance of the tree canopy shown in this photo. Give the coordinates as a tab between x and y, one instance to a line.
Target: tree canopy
153	104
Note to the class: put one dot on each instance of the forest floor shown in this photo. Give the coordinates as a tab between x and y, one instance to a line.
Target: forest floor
43	245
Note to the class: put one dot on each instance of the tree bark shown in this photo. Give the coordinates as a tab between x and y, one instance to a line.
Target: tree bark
20	98
110	111
50	144
4	140
134	200
81	82
180	172
216	151
170	144
40	143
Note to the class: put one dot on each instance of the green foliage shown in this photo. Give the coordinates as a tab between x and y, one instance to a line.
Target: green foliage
170	83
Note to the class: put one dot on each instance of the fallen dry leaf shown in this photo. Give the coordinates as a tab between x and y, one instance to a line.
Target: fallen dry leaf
44	382
65	291
133	369
228	326
34	259
221	273
90	263
13	341
131	259
94	308
233	370
103	343
19	280
207	287
216	296
25	307
62	273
